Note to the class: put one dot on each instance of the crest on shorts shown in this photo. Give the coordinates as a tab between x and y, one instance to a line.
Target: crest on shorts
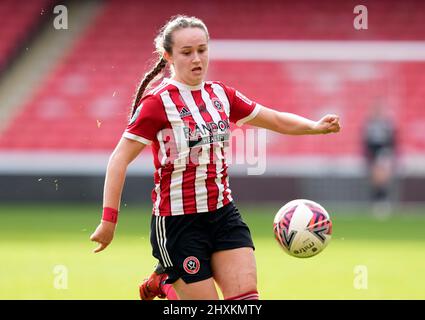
191	265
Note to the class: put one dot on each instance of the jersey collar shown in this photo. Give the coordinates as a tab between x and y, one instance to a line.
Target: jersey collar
183	86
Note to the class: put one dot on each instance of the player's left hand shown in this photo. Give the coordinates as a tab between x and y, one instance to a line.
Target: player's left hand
328	124
103	235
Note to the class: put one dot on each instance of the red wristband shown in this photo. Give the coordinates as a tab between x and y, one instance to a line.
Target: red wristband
110	214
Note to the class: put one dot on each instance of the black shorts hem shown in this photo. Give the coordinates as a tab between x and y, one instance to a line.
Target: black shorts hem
236	246
193	279
188	278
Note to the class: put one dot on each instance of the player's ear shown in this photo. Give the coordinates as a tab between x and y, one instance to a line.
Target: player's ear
168	57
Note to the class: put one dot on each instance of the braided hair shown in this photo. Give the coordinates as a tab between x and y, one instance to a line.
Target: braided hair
164	43
149	76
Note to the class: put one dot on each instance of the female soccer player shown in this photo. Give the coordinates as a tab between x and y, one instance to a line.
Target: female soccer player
197	233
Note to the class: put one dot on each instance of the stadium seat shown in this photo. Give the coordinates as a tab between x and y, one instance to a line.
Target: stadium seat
83	103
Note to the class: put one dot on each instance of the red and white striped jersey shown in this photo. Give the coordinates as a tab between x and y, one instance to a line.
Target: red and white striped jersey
189	129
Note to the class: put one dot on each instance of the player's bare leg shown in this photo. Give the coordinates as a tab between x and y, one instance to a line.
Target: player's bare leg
235	272
201	290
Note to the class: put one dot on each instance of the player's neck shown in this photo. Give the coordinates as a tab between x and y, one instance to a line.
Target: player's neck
181	84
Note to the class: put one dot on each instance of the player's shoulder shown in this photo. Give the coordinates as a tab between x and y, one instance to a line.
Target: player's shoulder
153	96
224	86
150	99
157	90
214	82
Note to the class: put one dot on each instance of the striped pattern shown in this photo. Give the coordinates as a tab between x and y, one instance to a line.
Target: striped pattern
161	238
319	220
197	180
189	151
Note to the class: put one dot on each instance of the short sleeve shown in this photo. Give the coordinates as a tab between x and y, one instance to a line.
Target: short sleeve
148	119
242	109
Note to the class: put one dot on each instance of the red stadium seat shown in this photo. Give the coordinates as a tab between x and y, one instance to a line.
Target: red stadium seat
16	22
83	104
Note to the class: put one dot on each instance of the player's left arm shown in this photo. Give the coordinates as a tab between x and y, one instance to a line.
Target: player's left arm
289	123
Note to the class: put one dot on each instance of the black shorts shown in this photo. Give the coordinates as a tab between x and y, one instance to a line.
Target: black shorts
184	244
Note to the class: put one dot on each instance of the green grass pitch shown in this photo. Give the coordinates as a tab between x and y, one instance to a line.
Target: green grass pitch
46	254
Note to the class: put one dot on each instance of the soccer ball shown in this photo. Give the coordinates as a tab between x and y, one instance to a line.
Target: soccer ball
303	228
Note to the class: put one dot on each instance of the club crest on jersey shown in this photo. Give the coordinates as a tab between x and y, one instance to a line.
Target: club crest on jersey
217	104
191	265
185	112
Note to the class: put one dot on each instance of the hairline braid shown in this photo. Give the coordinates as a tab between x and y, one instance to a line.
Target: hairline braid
160	65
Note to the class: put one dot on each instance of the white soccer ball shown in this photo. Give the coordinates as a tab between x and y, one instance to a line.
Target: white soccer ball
303	228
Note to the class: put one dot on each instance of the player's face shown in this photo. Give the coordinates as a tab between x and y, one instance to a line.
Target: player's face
190	55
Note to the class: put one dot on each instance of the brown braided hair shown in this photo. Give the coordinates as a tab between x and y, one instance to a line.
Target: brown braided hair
164	43
149	76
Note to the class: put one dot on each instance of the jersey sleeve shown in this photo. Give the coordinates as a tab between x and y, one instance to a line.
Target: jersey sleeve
242	109
148	119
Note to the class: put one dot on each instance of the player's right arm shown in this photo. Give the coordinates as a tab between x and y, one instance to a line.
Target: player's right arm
243	110
142	129
289	123
125	152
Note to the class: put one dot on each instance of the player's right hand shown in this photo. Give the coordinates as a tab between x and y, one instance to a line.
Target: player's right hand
103	235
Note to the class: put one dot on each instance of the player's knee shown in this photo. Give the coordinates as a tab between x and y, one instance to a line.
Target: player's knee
246	283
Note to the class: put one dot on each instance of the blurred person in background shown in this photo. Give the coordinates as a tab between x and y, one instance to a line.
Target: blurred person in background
379	142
